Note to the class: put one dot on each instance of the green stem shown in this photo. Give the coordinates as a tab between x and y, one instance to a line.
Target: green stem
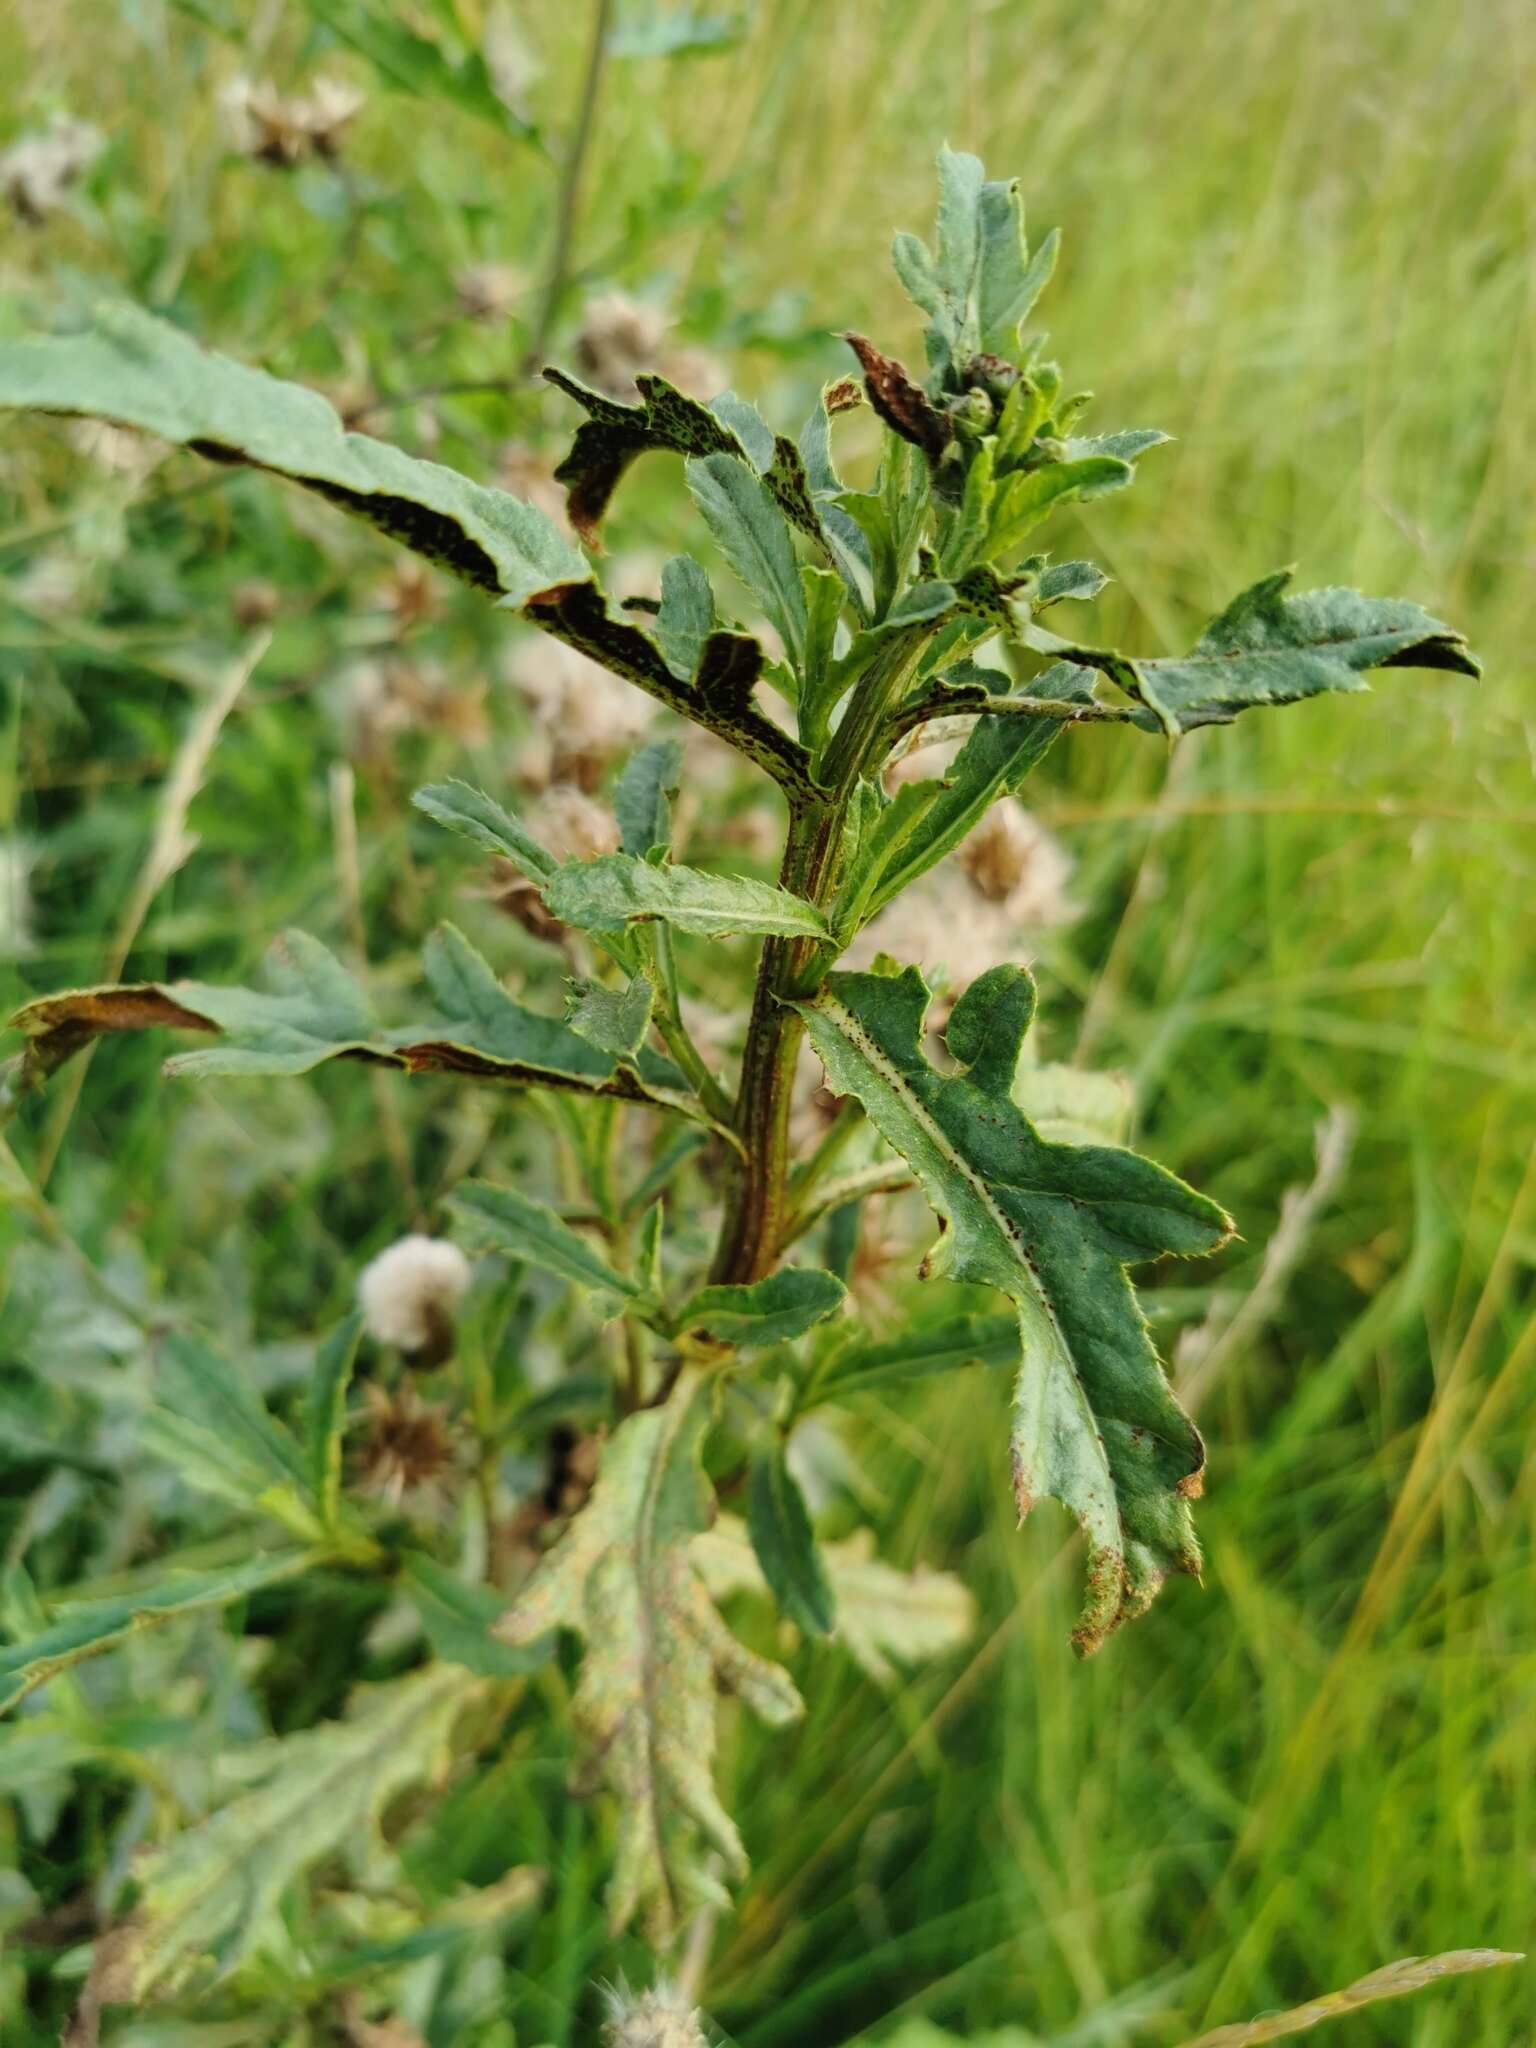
674	1033
570	186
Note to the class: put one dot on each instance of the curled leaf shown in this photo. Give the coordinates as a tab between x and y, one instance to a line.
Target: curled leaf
623	1578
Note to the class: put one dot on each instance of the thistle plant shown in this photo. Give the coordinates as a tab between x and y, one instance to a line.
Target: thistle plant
918	601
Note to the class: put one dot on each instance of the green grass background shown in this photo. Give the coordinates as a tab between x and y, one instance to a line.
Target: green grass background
1298	235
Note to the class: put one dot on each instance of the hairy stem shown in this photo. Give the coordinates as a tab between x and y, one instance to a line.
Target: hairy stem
752	1233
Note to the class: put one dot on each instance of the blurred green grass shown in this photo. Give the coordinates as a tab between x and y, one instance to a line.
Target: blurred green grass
1298	236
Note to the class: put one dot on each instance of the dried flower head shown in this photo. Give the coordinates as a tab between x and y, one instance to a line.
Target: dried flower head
1013	860
409	1293
255	602
573	825
408	1444
489	291
381	700
291	128
584	715
37	170
517	897
1007	884
619	337
659	2018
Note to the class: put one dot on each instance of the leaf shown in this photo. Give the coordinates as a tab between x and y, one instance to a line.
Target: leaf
994	762
623	1578
642	801
414	64
750	531
214	1893
457	1618
1394	1980
615	1020
605	894
1267	648
1053	1227
676	32
1028	496
325	1414
864	1368
842	395
502	1220
686	618
614	435
473	815
771	1311
86	1628
1127	445
490	1034
982	283
316	1012
885	1616
958	252
821	685
748	425
312	1011
261	1463
786	1544
141	372
719	697
1067	579
903	405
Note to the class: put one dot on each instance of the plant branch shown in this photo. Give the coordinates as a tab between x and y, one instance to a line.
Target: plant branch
569	199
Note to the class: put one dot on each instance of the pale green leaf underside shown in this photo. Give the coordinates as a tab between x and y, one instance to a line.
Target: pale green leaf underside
313	1011
86	1628
142	372
1054	1227
213	1893
622	1577
885	1616
605	894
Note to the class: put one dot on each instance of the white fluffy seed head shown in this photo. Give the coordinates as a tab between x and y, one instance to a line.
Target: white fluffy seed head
409	1292
660	2018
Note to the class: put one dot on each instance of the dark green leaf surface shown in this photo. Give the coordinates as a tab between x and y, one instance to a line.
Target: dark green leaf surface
457	1617
613	435
785	1543
752	534
1054	1227
475	816
916	1354
502	1219
141	372
771	1311
1267	648
642	799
